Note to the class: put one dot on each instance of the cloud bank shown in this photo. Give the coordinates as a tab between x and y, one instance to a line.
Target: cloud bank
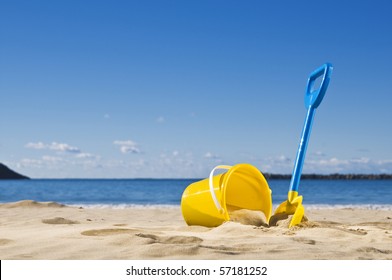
66	160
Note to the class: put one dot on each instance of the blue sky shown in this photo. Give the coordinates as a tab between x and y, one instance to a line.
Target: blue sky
124	89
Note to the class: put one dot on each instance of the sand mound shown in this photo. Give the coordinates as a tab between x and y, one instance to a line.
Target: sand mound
32	203
248	217
107	232
59	221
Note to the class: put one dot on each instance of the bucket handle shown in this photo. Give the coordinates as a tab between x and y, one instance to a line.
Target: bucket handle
214	198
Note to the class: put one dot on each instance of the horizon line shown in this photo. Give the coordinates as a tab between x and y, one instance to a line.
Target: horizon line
306	176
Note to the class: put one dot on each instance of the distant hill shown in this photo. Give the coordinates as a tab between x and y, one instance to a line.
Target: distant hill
6	173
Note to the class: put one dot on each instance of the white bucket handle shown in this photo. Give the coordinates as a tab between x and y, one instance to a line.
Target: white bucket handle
214	198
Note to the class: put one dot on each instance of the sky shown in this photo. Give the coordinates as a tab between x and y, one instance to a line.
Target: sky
170	89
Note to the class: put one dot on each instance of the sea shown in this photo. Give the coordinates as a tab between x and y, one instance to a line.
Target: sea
123	193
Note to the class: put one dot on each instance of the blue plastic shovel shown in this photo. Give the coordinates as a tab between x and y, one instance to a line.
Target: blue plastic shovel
313	97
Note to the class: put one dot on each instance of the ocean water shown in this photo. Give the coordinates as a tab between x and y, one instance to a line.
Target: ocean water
121	193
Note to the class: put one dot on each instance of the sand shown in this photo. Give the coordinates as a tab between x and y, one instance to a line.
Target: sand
47	230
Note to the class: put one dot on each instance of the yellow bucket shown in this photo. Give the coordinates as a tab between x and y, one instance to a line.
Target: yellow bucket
206	202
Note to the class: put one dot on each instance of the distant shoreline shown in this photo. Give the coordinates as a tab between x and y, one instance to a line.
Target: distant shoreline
268	176
335	176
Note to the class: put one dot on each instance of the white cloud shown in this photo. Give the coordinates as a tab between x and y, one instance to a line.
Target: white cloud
61	147
127	146
37	146
72	156
282	159
210	155
87	156
27	162
354	165
319	154
361	160
45	162
325	165
276	164
51	159
213	158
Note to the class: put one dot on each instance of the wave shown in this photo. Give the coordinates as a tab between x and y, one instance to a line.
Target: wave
124	206
385	207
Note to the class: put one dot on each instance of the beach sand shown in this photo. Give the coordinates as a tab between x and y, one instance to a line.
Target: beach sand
46	231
